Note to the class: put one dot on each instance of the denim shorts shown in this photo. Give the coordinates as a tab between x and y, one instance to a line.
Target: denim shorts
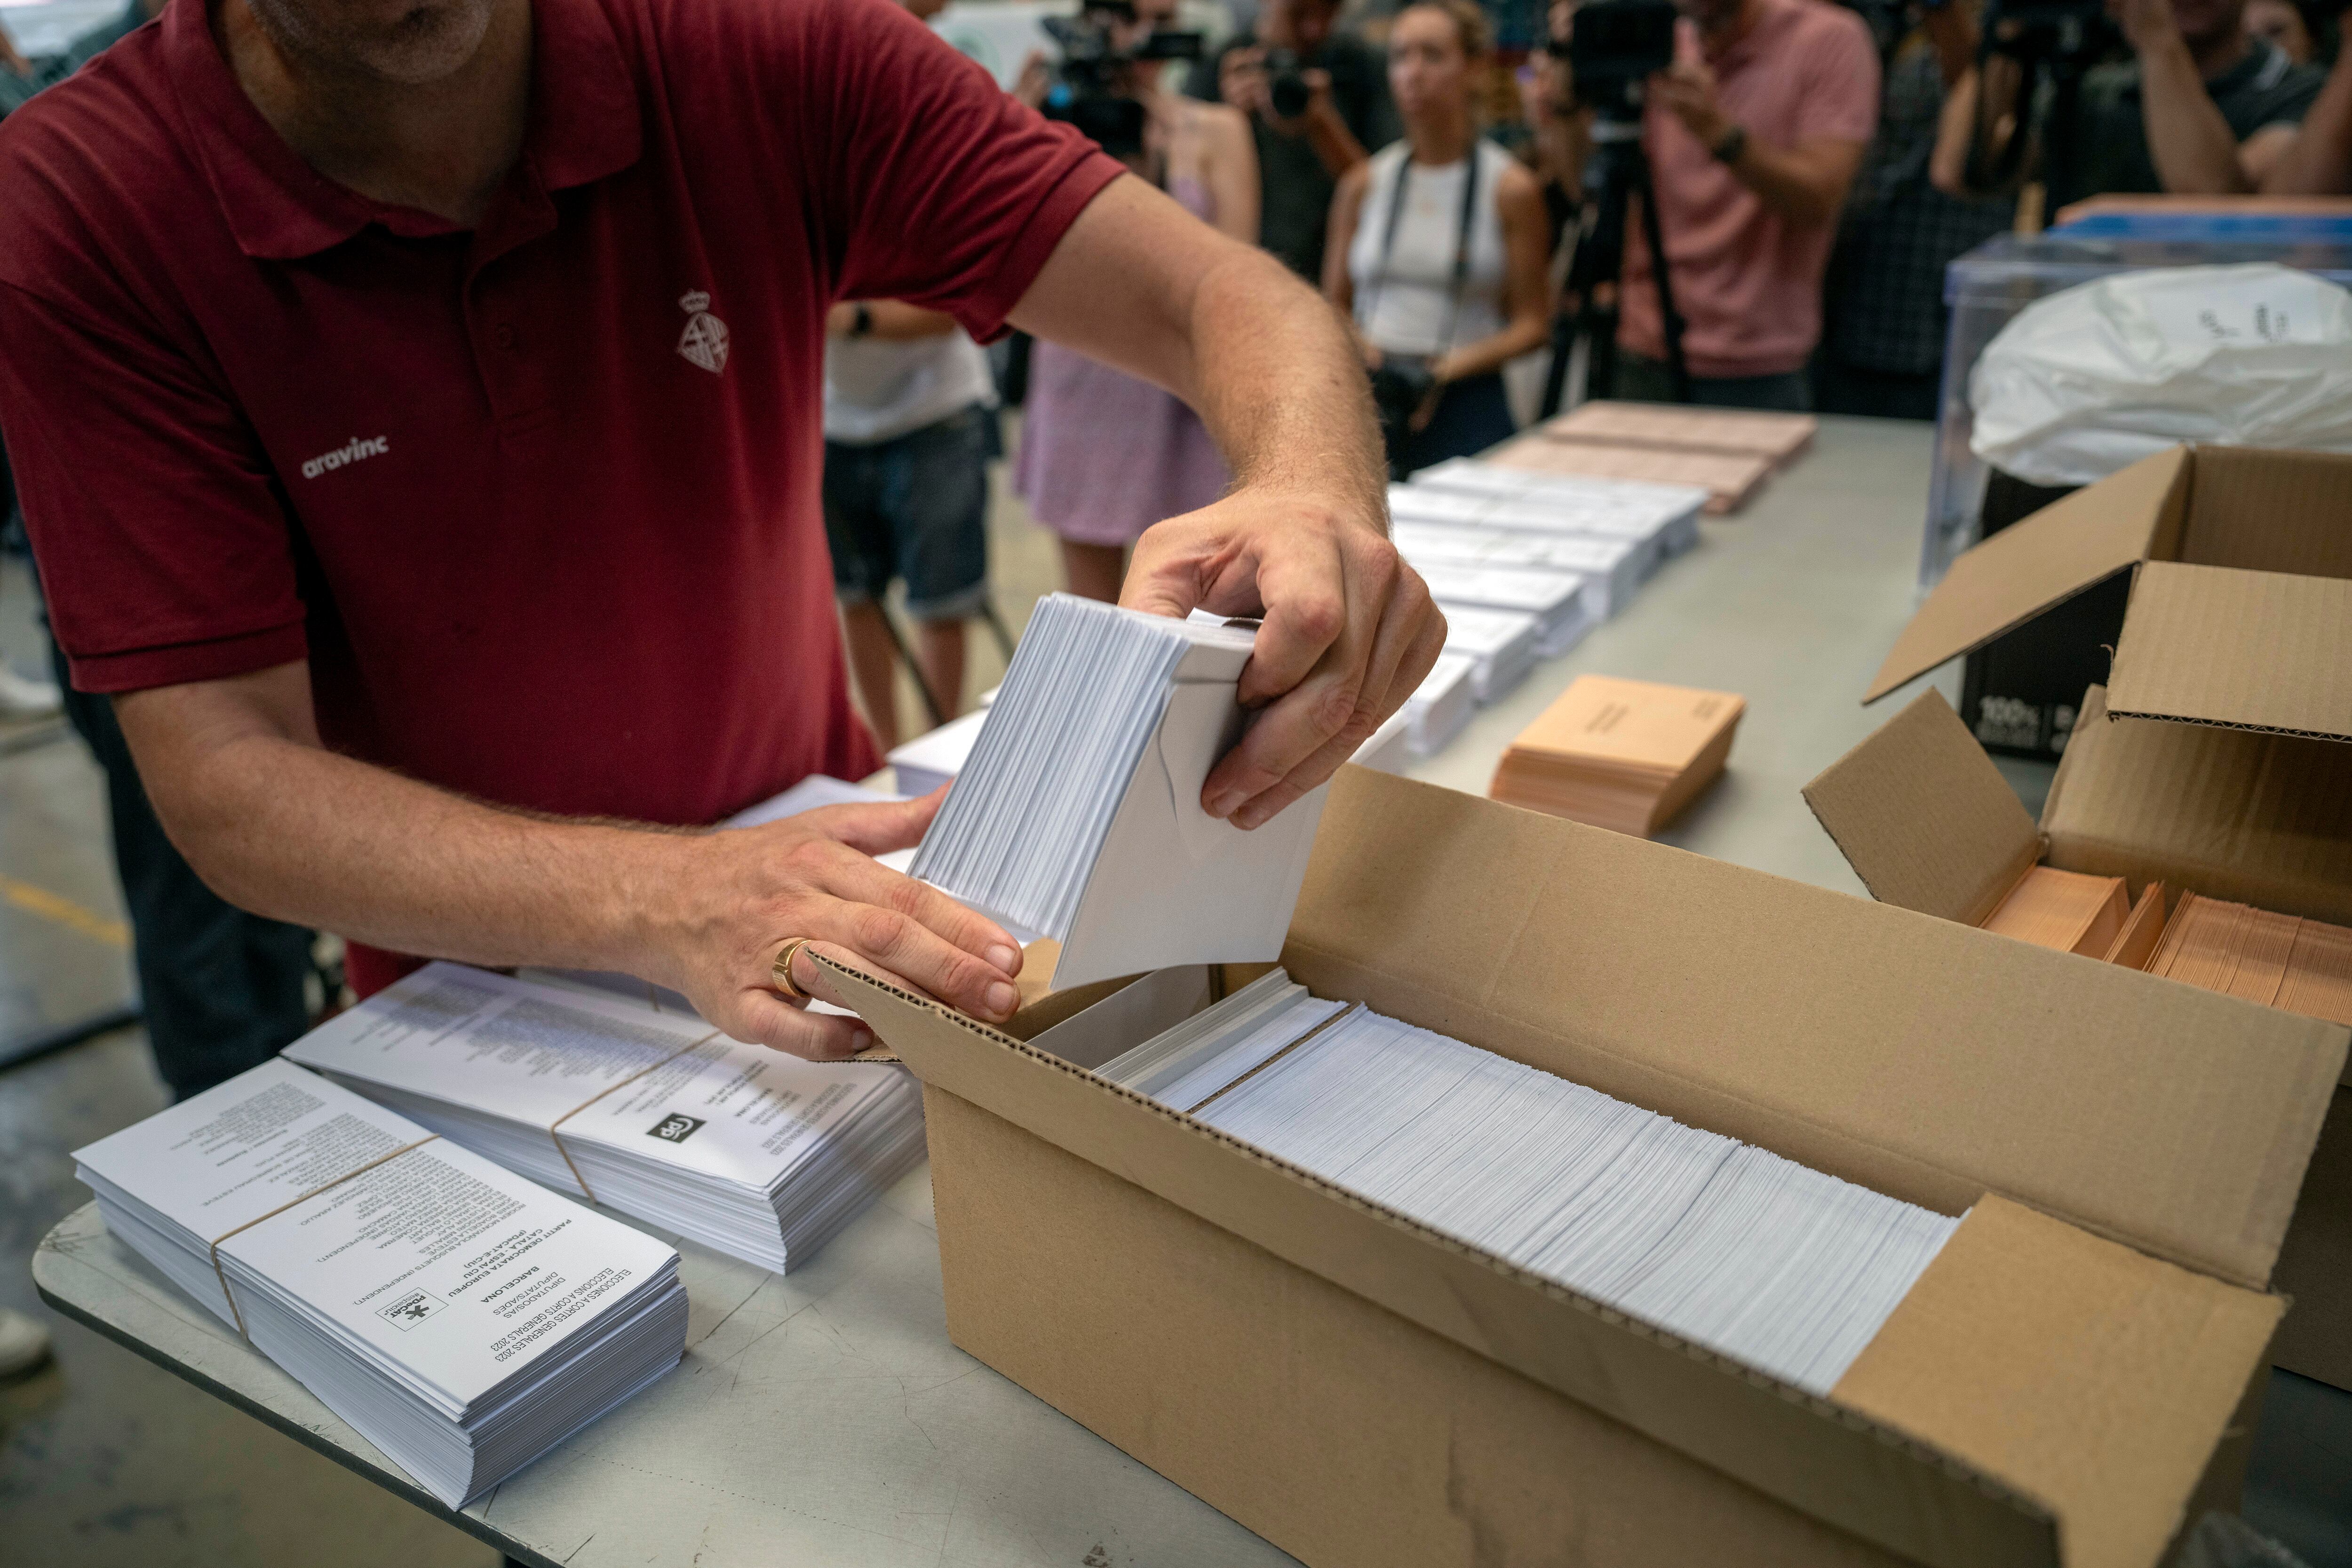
914	507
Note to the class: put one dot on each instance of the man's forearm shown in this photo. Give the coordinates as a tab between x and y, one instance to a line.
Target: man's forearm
1280	384
295	833
1334	143
2191	145
1795	182
2319	160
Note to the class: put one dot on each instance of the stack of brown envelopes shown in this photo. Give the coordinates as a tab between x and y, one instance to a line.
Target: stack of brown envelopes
1626	755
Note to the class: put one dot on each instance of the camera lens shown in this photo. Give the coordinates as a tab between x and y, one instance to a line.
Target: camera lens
1288	94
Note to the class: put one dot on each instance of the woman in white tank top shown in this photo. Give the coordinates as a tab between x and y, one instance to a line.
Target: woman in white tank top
1437	248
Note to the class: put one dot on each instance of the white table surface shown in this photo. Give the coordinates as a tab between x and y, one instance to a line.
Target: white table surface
824	1419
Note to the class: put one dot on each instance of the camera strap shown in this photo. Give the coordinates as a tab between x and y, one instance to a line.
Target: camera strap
1461	276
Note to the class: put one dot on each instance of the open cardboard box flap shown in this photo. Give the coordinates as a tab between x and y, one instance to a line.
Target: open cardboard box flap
2241	611
1804	1021
1925	817
2250	650
2070	546
1927	822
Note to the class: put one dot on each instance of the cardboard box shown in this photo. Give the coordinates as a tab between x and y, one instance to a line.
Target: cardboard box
2240	608
1928	824
2063	1383
2237	636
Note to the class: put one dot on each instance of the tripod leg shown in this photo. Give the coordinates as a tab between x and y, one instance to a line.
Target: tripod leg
996	628
906	656
1662	275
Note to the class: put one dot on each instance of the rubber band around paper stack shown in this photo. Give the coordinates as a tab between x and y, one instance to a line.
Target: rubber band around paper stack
1623	754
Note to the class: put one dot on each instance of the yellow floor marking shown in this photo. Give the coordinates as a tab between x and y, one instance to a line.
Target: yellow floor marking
65	911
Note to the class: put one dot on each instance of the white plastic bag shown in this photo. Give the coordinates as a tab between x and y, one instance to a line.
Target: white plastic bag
2092	379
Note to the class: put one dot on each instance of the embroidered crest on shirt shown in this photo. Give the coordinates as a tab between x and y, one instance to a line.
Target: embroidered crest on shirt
704	341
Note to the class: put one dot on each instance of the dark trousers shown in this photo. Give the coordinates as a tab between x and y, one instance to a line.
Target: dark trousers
1471	416
222	990
1642	379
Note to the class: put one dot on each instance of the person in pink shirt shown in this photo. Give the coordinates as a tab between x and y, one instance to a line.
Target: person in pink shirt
1753	136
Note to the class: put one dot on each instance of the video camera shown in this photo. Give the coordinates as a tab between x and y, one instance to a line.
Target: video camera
1616	45
2073	32
1089	89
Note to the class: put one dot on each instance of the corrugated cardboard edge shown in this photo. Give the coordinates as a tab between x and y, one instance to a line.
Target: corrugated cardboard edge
2243	649
2061	550
1929	1505
1924	818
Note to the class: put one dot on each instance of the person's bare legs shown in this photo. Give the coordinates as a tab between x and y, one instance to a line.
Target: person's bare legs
1094	572
939	649
873	669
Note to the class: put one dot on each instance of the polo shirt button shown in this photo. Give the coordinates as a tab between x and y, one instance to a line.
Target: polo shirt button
504	335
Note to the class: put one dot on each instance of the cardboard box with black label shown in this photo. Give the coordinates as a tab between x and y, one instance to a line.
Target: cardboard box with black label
2069	1382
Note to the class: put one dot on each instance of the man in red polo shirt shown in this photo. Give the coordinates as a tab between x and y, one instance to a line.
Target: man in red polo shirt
417	411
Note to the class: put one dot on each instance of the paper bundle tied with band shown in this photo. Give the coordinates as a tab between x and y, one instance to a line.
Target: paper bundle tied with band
650	1112
460	1319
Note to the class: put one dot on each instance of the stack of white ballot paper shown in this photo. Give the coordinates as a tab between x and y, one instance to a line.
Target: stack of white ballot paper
1078	814
1732	1247
1440	705
462	1320
1613	568
1499	643
1560	601
1671	512
758	1154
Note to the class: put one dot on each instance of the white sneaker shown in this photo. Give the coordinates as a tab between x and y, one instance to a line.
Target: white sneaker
24	1344
24	697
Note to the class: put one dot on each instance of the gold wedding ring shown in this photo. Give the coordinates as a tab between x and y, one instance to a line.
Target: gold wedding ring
785	982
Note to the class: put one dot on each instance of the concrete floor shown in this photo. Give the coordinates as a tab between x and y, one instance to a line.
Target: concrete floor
106	1460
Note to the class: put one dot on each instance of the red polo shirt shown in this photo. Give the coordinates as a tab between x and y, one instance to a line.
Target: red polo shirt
537	502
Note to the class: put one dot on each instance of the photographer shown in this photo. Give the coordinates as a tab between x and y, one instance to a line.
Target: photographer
1437	249
1315	99
2201	108
1753	135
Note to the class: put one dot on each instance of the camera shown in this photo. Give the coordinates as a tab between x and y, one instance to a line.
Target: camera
2068	32
1089	90
1618	45
1285	83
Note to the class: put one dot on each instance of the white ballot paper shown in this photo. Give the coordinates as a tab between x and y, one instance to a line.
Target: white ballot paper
1561	602
1572	502
1613	568
1079	815
462	1320
1499	643
1441	705
758	1154
1732	1247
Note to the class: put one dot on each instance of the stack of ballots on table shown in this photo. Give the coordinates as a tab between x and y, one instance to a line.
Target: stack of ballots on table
1731	478
1777	438
1612	569
1561	602
1727	1245
1531	502
1499	643
1078	814
1623	754
462	1320
756	1154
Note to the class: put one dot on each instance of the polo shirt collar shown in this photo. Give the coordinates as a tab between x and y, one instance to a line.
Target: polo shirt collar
585	124
1771	15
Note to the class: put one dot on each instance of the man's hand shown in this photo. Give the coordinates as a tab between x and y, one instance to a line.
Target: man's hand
1350	631
2146	24
1242	82
278	824
1686	90
732	901
1275	373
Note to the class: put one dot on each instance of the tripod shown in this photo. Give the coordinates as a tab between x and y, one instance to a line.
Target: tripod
1619	172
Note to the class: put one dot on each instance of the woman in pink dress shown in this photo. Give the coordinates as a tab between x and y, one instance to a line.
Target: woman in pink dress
1104	455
